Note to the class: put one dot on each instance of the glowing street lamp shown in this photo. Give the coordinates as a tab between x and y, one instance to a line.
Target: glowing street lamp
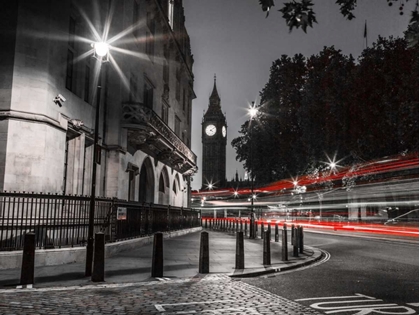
101	52
101	49
253	111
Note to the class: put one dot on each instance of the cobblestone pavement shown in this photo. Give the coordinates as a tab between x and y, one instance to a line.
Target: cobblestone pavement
211	294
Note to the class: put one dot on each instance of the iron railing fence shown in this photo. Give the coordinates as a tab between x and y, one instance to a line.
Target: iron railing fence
135	219
63	220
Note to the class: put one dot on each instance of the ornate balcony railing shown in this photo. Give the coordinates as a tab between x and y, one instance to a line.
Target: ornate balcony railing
149	132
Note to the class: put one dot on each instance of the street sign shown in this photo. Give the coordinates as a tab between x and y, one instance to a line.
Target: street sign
121	213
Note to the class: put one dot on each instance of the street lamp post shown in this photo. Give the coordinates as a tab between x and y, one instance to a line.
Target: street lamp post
101	50
252	112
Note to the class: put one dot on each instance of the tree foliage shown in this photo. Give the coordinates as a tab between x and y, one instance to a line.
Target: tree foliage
299	13
329	104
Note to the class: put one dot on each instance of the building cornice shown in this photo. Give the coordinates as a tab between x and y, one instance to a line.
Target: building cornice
32	117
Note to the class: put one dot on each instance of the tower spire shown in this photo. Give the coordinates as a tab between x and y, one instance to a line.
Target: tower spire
215	95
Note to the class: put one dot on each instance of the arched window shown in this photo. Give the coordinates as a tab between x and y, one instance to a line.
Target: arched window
147	182
164	187
161	184
174	189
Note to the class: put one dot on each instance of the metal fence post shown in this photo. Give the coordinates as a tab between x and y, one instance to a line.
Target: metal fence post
262	229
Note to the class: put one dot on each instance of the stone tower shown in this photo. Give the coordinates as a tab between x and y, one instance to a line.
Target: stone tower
214	131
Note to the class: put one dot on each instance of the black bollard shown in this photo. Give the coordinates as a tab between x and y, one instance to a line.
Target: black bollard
276	233
204	263
240	255
301	240
266	249
28	260
292	232
262	230
284	254
157	258
205	223
98	273
242	226
296	242
246	228
269	230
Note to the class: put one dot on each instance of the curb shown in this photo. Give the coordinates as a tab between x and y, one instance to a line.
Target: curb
67	255
271	270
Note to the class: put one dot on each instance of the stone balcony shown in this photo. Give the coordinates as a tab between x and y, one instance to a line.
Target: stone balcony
147	132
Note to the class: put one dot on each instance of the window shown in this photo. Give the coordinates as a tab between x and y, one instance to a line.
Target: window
177	126
166	63
150	40
87	83
70	55
150	45
148	96
178	84
72	31
150	23
136	16
69	72
165	111
133	171
171	13
161	184
165	71
133	88
189	111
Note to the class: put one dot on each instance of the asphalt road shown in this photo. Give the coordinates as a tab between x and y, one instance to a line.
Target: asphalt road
358	276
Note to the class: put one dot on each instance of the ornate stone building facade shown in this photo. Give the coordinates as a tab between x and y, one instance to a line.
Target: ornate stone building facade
49	94
214	132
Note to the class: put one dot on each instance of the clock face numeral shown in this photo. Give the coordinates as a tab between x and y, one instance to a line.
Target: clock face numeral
224	131
211	130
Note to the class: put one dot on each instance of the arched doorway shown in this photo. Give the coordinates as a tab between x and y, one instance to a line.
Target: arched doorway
147	182
164	187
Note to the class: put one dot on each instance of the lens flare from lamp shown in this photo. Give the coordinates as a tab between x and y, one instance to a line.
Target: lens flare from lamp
101	49
253	112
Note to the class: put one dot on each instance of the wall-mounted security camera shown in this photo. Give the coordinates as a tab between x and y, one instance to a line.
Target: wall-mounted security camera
59	99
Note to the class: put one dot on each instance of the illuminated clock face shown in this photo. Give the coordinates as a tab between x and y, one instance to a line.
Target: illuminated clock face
224	131
210	130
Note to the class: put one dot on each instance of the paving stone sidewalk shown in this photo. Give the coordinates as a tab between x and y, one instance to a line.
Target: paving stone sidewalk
181	259
202	294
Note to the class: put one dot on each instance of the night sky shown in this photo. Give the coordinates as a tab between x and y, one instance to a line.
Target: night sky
234	40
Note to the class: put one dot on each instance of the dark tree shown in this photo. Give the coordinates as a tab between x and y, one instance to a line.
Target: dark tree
386	99
299	13
325	105
328	104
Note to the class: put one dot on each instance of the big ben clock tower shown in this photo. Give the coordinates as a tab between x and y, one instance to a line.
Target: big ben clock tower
214	141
